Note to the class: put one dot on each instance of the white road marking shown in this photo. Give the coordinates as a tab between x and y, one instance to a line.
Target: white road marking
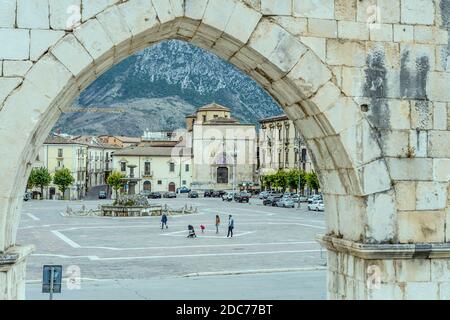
96	258
32	216
200	235
71	243
205	246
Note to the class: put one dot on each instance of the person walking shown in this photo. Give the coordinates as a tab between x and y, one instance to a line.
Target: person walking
230	226
217	223
164	221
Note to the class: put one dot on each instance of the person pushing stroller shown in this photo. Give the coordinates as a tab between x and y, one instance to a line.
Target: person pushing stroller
191	232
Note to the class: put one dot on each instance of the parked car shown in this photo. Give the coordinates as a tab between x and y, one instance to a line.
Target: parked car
155	195
183	189
145	193
316	205
286	202
208	193
242	196
170	195
218	193
303	199
271	200
102	194
314	198
27	196
229	196
193	194
295	197
263	195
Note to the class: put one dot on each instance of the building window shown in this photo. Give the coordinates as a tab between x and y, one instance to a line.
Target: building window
296	157
60	164
147	168
160	182
280	134
147	186
184	182
222	175
172	167
186	168
60	153
204	118
123	166
304	153
287	158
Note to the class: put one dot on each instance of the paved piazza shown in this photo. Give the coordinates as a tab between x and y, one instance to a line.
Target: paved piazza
273	248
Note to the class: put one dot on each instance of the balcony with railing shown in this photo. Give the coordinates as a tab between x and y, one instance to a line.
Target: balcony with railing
147	174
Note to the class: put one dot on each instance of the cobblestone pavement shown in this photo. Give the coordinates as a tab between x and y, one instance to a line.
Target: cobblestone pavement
266	240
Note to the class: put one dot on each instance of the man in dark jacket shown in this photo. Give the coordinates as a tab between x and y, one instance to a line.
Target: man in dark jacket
164	221
230	226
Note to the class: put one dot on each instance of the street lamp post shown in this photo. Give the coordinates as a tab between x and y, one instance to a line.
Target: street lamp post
235	165
299	147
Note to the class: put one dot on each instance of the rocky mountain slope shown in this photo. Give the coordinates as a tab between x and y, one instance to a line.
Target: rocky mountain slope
158	87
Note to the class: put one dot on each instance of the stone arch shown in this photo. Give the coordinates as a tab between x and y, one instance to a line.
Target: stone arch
345	143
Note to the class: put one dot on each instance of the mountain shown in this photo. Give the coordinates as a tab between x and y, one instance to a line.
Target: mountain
157	87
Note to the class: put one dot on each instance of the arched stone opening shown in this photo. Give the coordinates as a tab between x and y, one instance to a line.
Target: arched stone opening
354	160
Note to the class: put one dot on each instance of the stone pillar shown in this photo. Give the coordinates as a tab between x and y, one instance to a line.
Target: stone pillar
13	271
359	271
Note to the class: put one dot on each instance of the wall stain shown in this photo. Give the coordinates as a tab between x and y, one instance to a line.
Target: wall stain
376	89
444	5
413	84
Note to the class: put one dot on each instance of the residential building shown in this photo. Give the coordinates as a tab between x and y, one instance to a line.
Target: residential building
281	146
158	164
119	141
224	150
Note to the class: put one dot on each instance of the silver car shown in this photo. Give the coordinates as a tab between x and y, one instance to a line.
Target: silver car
286	202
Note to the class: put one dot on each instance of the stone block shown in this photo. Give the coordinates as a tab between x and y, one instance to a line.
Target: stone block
314	9
16	68
413	270
331	182
440	270
140	16
331	214
345	52
65	14
405	195
7	13
195	9
345	10
437	86
95	40
431	195
439	144
309	74
326	97
352	81
32	14
296	26
417	12
381	32
317	45
422	291
242	22
18	47
421	115
314	130
403	33
400	113
73	55
343	114
381	217
374	177
444	291
351	217
286	93
418	141
7	85
430	35
322	28
386	291
50	76
353	30
116	27
281	7
93	7
277	45
410	169
440	116
441	170
388	11
218	13
41	40
421	226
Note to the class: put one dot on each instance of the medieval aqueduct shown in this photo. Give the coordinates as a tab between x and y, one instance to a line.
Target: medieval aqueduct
366	82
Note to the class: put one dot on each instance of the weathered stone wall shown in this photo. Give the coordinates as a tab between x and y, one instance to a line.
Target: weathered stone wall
365	81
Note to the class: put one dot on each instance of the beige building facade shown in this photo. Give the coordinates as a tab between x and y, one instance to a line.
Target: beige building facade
224	150
281	146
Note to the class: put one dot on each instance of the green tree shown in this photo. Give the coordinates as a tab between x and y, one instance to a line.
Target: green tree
39	177
116	182
280	180
293	177
63	179
312	181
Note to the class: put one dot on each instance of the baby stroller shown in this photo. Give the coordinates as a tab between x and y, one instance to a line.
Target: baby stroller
191	232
